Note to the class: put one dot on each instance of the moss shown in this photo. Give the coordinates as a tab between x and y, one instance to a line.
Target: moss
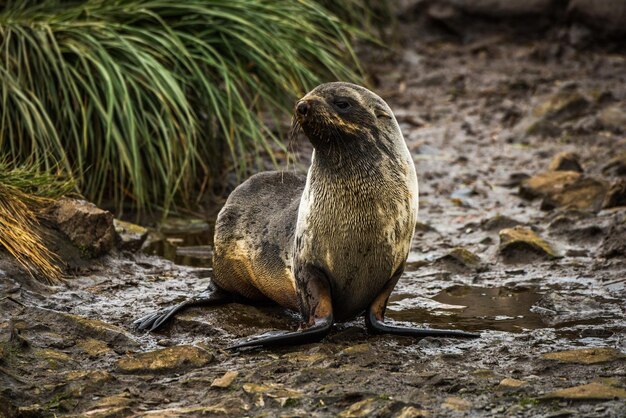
526	401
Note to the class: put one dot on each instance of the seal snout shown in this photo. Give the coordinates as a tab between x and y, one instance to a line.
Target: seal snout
303	107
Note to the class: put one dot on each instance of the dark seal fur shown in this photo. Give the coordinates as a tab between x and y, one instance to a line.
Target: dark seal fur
332	245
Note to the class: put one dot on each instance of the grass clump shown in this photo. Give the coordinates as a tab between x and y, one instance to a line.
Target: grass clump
24	194
144	100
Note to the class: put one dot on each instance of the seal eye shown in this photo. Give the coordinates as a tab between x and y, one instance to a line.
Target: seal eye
341	104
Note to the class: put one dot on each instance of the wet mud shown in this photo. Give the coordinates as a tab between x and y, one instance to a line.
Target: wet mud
537	265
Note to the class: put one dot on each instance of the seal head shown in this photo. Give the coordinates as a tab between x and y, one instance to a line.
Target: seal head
343	115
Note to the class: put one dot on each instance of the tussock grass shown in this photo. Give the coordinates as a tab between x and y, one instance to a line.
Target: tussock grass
144	100
24	193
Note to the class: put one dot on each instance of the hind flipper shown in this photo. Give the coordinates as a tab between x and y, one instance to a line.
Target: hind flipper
213	295
375	316
317	307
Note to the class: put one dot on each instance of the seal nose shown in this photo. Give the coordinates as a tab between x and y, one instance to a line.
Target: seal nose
302	107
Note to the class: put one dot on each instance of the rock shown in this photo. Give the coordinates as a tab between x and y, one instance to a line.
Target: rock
412	412
576	229
31	411
566	161
577	252
586	193
89	228
565	189
167	359
229	407
456	404
616	196
272	390
605	15
110	406
509	383
357	349
591	391
586	355
504	8
415	265
422	227
94	348
226	380
363	408
94	377
521	243
561	106
546	117
460	259
515	180
614	244
548	183
130	236
80	382
499	222
613	118
54	358
616	166
483	373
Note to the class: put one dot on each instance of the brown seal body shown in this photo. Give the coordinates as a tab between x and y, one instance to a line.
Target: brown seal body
354	218
254	236
331	245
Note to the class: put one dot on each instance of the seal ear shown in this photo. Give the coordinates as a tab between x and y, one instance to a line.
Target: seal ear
381	113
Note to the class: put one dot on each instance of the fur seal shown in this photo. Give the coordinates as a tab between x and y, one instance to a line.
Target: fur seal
330	245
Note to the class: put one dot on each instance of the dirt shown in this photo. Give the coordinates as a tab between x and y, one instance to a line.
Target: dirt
481	112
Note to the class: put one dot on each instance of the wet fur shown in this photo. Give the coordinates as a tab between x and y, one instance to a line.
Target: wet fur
353	219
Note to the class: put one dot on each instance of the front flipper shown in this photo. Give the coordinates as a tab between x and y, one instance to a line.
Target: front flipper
316	305
375	316
211	296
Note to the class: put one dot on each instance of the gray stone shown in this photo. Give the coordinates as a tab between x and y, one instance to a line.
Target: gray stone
130	236
89	228
606	15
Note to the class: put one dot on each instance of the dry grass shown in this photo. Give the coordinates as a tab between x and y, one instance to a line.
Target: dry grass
24	194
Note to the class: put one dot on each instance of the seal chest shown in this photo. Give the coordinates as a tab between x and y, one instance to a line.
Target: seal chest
359	207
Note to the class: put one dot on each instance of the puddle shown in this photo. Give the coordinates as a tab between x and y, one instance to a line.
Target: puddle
183	241
471	308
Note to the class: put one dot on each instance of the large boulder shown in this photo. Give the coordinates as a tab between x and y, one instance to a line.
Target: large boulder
504	8
606	15
89	228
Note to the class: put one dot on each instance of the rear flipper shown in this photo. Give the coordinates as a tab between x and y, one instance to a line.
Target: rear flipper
213	295
377	326
277	338
317	307
375	316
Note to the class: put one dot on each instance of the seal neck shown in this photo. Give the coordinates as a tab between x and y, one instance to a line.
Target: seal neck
366	155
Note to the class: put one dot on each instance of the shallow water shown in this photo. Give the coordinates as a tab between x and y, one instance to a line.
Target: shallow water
186	242
473	308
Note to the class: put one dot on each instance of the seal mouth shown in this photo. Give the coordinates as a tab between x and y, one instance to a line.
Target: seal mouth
313	119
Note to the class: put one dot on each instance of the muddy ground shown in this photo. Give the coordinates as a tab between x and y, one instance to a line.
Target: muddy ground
537	265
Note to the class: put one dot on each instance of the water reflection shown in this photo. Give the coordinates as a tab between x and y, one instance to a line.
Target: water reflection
183	241
472	308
